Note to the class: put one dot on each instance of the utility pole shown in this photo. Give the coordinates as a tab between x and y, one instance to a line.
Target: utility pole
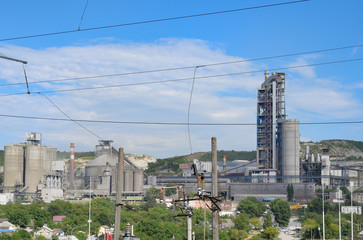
215	214
323	214
189	223
119	192
340	222
351	205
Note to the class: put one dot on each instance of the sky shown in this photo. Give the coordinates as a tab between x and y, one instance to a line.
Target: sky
146	111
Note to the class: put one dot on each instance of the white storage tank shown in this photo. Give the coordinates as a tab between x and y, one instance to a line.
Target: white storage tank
128	180
138	180
33	166
289	148
13	165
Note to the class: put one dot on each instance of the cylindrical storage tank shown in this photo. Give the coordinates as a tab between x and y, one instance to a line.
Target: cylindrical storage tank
138	180
13	165
289	138
48	158
307	152
97	166
33	166
128	181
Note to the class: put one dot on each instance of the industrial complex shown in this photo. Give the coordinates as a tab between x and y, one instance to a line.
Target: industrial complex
31	171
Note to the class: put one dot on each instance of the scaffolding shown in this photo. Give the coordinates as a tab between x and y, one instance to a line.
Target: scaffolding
270	109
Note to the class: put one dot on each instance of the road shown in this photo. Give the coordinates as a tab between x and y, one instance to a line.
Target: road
284	236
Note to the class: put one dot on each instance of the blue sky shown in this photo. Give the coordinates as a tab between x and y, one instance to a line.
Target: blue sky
326	93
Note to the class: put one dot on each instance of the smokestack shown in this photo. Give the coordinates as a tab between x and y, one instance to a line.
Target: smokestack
307	152
71	169
224	163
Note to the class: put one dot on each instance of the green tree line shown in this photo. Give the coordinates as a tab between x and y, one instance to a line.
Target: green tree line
151	220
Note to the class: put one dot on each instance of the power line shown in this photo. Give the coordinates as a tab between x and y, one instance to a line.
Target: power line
190	103
188	67
171	123
76	122
151	21
187	79
84	10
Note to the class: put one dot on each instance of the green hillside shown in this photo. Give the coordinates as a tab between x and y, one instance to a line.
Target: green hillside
66	155
230	155
1	157
351	150
170	166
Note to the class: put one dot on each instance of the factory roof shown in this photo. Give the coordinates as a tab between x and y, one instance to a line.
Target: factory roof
102	160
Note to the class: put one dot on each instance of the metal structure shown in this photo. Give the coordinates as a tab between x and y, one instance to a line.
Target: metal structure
270	109
71	168
106	160
288	149
25	164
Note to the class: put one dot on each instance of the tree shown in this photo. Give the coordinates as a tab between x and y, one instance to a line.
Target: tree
18	216
21	235
309	227
251	206
151	195
282	211
290	193
242	222
235	234
268	221
270	233
170	191
256	222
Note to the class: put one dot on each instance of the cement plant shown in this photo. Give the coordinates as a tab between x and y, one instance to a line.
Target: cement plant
32	172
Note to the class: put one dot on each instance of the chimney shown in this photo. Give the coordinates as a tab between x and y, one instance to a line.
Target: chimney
71	169
224	163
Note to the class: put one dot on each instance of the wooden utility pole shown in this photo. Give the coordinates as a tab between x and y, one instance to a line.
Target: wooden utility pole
120	169
215	214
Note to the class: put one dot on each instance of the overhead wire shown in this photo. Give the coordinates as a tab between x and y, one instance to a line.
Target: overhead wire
190	103
71	119
84	11
187	79
172	123
152	21
188	67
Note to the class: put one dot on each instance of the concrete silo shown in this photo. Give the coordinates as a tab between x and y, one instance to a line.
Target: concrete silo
26	163
13	165
138	180
289	148
128	180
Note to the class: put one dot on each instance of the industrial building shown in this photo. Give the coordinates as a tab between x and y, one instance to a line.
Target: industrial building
99	176
278	159
27	166
278	139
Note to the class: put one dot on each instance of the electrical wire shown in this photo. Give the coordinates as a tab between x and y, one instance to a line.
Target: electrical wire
76	122
186	79
26	79
188	67
152	21
84	10
173	123
190	103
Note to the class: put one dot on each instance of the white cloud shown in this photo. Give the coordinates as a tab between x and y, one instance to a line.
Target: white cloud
307	72
227	99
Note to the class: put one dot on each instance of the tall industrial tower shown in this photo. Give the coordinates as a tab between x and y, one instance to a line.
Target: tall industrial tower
270	109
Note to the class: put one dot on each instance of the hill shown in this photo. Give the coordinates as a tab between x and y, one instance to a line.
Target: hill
1	157
170	166
351	150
